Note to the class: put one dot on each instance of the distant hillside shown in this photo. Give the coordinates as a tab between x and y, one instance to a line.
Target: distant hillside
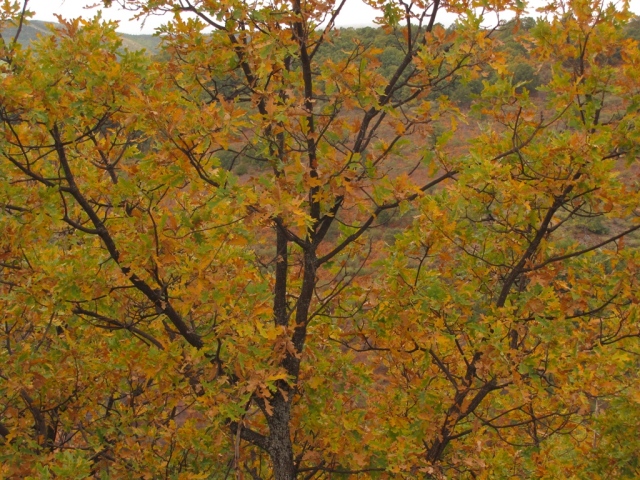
34	28
343	39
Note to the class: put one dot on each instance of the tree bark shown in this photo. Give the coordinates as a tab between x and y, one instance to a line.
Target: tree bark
280	447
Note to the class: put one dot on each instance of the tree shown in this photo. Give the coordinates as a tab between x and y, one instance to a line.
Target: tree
166	317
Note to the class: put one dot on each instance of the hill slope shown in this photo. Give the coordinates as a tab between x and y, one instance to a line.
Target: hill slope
34	28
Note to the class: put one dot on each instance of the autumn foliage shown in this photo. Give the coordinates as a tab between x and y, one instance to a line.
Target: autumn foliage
243	257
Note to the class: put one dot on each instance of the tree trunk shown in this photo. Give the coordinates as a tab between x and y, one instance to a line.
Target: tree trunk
280	448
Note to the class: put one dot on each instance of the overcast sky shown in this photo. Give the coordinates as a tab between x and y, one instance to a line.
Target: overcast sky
354	14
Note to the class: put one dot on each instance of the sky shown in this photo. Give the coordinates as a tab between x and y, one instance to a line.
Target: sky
354	14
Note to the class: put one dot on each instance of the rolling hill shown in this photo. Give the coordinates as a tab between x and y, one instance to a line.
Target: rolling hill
34	28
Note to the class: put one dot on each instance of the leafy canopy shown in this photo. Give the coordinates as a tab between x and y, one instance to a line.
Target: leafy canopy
250	256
